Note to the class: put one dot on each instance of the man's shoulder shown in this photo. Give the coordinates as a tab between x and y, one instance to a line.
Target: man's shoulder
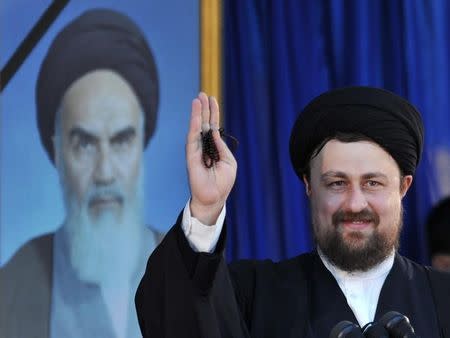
295	267
304	258
412	267
439	280
157	235
33	257
287	280
25	290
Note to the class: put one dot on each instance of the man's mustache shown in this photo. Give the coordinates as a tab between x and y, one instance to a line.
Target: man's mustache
102	194
364	215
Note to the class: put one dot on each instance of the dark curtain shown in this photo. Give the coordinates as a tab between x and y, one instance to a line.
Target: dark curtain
278	56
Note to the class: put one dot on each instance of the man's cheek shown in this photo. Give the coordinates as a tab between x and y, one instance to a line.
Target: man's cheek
327	211
79	185
129	176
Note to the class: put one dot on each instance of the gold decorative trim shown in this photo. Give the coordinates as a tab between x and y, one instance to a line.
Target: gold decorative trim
211	47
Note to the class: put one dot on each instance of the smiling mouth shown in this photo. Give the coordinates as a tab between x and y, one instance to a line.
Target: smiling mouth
357	225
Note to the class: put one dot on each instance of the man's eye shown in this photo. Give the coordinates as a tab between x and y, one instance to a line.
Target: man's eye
84	143
122	140
336	184
371	183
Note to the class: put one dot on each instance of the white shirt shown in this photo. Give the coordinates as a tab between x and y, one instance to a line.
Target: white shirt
201	237
361	289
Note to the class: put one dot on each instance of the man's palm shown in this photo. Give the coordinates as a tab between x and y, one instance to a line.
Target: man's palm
210	187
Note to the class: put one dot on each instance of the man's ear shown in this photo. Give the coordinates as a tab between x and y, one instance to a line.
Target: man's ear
307	185
405	184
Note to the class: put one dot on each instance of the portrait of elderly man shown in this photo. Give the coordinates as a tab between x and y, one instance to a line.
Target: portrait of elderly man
356	150
96	97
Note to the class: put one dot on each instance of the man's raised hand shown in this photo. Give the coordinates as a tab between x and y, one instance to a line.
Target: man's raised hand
210	187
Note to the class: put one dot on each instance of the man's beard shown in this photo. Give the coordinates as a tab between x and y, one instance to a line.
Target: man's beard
376	248
104	249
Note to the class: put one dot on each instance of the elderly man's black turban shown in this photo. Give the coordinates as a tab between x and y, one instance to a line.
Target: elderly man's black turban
384	117
97	39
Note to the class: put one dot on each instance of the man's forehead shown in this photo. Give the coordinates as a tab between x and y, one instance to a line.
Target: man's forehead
100	99
360	158
100	82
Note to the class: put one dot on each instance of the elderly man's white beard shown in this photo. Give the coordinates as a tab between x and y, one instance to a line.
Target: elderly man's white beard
104	250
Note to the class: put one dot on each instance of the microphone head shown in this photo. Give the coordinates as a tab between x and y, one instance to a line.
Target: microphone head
397	325
375	330
346	329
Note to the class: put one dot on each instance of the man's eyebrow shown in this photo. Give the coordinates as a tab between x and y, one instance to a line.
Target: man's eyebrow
81	133
340	174
375	174
123	134
333	174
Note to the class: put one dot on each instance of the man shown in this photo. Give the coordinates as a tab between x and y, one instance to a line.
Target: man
356	150
438	227
96	97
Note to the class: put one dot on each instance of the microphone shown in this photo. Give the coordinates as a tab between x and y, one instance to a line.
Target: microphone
397	325
374	330
346	329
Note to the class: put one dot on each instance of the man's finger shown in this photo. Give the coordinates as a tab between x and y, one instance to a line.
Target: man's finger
205	111
195	124
222	148
214	119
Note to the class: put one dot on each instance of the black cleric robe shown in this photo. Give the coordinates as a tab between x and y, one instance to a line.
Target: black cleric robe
188	294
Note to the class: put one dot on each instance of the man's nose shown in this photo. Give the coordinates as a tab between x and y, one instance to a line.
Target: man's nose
104	170
356	200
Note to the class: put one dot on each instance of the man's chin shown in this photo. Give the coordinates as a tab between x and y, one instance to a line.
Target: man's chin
355	250
104	251
355	240
104	215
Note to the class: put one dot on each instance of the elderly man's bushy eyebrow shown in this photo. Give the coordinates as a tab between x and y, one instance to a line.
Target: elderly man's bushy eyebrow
125	134
78	132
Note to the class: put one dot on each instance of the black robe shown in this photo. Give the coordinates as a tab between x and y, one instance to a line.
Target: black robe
188	294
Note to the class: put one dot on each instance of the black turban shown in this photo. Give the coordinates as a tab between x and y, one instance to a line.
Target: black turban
97	39
382	116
